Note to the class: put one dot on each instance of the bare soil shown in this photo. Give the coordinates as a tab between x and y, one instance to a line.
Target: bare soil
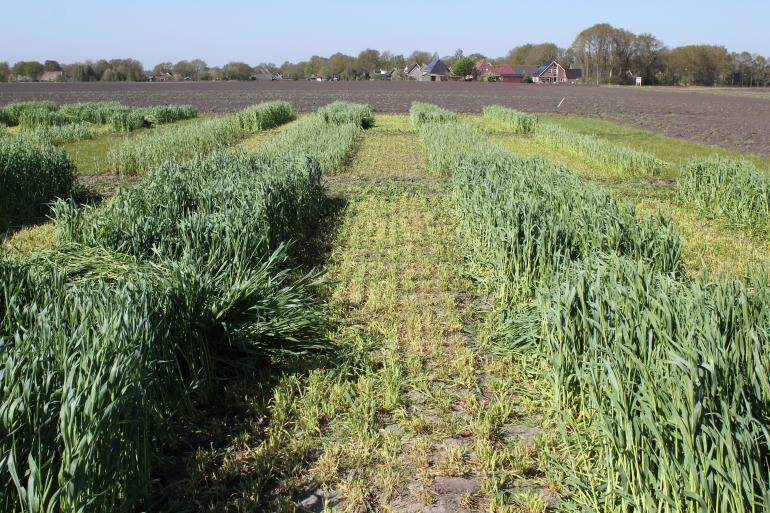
741	123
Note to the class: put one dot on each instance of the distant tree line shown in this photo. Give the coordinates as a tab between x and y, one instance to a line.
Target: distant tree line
607	55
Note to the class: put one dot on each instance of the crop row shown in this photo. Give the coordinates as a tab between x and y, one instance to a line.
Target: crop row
341	112
720	187
177	283
608	155
668	372
32	173
30	115
421	113
148	150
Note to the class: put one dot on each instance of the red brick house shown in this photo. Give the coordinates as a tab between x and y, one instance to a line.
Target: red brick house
513	73
516	73
553	73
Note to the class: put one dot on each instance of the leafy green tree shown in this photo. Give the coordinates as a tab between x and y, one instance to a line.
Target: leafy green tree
314	66
648	58
163	68
464	66
184	69
27	69
5	72
533	55
235	71
80	72
420	57
367	62
704	65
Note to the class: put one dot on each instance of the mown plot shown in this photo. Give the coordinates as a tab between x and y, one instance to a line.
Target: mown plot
503	333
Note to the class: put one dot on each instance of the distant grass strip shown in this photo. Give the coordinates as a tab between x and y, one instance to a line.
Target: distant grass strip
730	189
148	150
421	113
614	157
341	112
328	136
58	135
514	120
121	118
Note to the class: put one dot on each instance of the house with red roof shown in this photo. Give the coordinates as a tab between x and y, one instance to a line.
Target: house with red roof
551	72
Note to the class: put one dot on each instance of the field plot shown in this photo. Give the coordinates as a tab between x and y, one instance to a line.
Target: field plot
737	121
344	311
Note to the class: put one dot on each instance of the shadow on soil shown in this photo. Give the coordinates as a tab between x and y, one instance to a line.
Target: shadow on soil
191	474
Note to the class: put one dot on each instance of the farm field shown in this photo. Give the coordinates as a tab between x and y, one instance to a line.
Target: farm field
740	121
432	311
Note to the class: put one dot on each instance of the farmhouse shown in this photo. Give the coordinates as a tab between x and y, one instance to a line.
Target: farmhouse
504	72
554	73
435	71
52	76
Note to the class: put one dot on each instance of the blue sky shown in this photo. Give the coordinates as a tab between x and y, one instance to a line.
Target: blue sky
227	30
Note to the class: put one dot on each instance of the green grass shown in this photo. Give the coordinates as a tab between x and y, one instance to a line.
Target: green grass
185	141
657	376
193	267
392	123
388	154
729	189
708	242
33	174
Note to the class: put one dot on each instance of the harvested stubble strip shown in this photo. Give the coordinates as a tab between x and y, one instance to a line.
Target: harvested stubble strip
734	190
149	150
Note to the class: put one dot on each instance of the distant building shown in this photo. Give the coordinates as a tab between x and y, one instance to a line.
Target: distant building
262	76
383	74
435	71
158	77
504	72
554	73
414	71
52	76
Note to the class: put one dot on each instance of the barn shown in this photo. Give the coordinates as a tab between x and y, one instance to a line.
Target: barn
435	71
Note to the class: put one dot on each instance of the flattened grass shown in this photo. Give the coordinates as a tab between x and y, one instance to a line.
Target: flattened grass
388	154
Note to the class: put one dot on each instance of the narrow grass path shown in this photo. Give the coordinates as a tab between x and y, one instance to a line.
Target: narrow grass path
416	415
430	421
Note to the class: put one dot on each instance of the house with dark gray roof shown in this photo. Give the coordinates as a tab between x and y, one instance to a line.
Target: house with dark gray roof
435	71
